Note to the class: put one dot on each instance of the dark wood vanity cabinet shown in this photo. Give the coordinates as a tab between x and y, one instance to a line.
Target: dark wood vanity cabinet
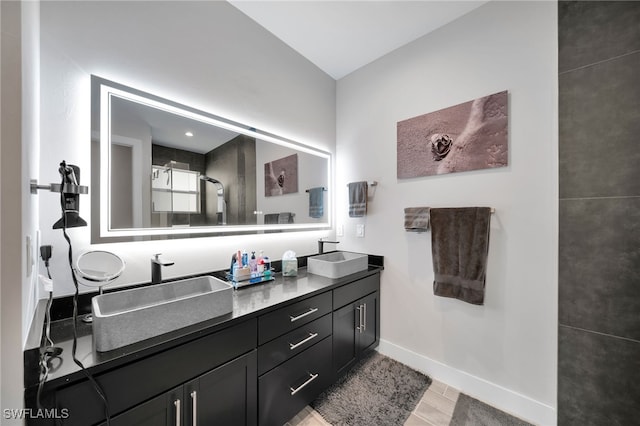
225	395
257	371
355	322
217	366
306	359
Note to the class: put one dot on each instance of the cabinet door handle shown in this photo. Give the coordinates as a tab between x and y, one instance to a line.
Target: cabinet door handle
312	336
311	378
309	312
364	318
359	325
178	415
194	407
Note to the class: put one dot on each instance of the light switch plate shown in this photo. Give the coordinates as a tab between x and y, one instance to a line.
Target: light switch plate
340	230
360	230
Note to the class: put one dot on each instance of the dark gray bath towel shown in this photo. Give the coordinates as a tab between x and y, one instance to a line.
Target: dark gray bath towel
460	245
358	198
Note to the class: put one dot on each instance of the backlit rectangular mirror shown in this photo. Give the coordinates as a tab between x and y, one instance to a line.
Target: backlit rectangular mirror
161	170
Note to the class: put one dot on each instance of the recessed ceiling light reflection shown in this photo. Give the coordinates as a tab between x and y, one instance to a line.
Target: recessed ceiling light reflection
188	134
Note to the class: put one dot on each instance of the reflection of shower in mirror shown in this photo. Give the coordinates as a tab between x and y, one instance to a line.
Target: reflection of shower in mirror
222	205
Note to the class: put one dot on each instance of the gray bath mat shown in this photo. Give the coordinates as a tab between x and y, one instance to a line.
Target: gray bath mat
471	412
377	391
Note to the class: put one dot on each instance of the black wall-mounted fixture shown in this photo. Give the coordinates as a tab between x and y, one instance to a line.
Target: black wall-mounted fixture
71	189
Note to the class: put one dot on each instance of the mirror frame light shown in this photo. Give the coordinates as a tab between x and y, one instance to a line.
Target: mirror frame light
105	90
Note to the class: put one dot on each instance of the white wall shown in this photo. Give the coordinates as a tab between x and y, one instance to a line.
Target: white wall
18	217
505	351
204	54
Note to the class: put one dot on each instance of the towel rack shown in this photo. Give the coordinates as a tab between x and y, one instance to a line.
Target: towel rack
323	188
370	183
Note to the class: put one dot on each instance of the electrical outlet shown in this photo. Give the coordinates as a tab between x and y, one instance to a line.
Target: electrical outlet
340	230
360	230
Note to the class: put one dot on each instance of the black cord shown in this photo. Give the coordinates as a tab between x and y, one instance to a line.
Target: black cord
48	350
95	384
44	361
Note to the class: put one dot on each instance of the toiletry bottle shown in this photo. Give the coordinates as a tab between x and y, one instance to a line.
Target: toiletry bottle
234	271
267	267
234	266
245	258
253	264
261	263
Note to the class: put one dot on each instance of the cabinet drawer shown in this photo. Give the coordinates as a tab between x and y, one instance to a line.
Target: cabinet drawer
286	389
284	347
356	290
285	319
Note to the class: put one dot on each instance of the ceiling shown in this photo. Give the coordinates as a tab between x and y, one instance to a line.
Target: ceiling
341	36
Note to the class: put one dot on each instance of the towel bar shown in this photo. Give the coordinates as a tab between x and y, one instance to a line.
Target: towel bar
323	188
370	183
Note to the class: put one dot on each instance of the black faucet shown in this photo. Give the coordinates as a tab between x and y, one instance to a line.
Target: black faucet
156	268
321	244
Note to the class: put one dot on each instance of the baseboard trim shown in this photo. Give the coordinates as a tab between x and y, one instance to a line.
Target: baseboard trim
495	395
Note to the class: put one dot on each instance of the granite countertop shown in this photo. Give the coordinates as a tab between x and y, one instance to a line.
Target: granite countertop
248	302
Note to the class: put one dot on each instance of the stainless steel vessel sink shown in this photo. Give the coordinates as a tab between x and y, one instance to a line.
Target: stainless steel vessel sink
129	316
337	264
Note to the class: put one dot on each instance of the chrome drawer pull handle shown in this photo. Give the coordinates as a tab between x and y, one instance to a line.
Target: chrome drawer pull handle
302	342
312	377
309	312
194	407
364	317
359	326
177	404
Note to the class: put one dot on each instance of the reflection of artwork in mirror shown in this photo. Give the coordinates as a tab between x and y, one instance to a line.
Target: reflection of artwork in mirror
281	176
162	168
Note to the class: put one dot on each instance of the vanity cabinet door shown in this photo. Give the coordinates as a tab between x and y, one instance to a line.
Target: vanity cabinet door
345	349
163	410
368	332
224	396
355	329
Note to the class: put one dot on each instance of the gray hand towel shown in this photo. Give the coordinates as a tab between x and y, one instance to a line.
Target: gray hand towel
285	217
316	202
271	218
358	199
416	219
460	246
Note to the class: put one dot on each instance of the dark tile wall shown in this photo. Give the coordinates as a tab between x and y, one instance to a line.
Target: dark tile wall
599	242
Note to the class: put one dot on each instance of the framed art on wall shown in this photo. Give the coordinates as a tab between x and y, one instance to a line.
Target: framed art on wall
469	136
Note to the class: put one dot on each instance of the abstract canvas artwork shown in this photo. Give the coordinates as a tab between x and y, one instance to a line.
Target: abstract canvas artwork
468	136
281	176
